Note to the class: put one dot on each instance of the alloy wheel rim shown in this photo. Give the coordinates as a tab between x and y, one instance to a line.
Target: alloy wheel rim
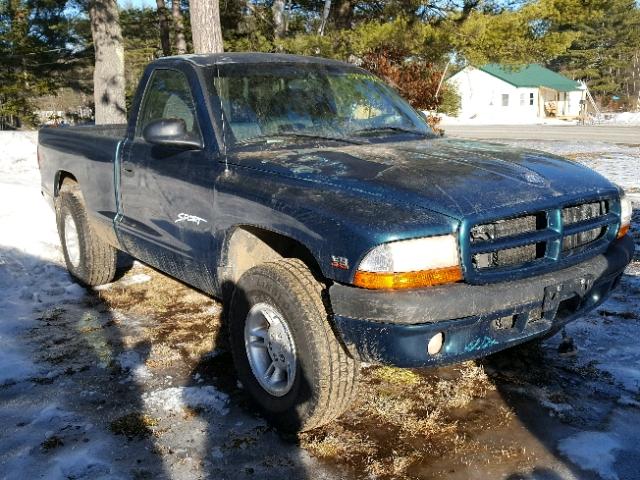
72	240
270	349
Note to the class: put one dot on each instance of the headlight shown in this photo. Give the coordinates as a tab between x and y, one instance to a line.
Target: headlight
625	214
412	263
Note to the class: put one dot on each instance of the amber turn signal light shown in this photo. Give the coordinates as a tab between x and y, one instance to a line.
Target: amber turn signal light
624	229
422	278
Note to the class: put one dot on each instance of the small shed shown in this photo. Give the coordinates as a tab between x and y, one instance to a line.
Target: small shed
519	94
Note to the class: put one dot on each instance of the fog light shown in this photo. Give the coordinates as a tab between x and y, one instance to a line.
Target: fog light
435	343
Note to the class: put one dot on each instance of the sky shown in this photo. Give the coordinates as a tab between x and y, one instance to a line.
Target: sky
137	3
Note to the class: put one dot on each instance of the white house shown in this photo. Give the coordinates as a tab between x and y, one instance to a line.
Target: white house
525	94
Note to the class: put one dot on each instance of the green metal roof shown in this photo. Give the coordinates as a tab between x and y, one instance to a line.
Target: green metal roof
532	76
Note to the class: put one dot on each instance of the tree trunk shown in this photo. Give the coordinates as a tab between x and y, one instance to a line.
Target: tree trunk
205	26
108	75
325	17
163	19
279	20
178	27
343	14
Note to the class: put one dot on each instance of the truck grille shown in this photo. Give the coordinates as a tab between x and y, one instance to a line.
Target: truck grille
539	237
504	228
580	213
585	211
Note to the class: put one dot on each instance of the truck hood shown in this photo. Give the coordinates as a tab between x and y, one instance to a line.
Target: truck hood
454	177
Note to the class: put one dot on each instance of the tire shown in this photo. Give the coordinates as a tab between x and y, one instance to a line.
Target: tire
326	377
89	259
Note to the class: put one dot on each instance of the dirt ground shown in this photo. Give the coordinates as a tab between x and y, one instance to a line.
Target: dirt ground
495	418
134	380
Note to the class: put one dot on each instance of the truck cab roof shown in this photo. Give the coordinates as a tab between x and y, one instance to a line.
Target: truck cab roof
208	60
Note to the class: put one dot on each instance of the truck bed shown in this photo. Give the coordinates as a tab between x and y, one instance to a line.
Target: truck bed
88	153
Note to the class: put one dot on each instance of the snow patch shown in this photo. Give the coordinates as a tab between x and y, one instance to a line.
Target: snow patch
176	399
80	465
132	361
52	414
592	451
627	401
216	453
489	119
544	398
623	118
126	282
75	291
14	366
557	408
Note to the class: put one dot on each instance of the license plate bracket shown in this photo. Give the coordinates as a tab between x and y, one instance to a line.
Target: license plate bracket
554	294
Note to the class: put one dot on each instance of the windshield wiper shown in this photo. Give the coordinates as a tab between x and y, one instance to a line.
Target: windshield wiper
267	138
316	137
387	129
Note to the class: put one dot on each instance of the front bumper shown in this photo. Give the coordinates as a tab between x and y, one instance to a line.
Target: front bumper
394	327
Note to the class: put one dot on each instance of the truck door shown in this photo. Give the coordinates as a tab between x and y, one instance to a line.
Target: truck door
166	194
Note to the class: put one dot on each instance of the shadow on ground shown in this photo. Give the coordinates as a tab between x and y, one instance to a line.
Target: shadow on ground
146	361
75	342
132	384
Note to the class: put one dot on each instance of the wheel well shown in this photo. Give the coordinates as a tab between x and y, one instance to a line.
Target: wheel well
63	179
251	246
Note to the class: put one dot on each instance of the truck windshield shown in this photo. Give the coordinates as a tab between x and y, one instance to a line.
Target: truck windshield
279	101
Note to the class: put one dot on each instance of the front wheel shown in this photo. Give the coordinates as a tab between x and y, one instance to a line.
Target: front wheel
286	354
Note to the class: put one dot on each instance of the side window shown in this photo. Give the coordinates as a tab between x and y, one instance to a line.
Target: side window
168	95
505	99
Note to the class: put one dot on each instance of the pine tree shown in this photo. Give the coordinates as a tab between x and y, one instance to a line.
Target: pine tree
606	51
37	44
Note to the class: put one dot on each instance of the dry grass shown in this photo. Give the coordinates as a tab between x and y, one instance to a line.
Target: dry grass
183	326
401	418
161	295
162	356
339	443
133	425
471	383
396	376
329	446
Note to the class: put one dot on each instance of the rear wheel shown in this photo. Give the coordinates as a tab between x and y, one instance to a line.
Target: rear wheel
285	351
89	259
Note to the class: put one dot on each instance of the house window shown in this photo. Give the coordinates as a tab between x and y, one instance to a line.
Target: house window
522	99
505	99
531	98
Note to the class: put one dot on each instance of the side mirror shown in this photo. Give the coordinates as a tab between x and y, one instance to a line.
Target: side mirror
171	132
